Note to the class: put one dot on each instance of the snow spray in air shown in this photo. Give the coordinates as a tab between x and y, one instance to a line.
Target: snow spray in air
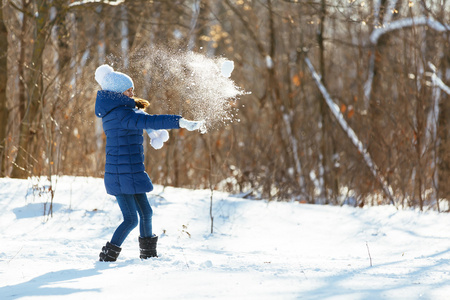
187	83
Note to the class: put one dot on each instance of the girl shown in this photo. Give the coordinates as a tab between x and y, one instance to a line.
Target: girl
125	176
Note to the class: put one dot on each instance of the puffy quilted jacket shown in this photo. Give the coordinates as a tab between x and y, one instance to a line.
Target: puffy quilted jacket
123	125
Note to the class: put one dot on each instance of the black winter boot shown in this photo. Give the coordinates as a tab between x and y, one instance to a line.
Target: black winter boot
110	252
148	247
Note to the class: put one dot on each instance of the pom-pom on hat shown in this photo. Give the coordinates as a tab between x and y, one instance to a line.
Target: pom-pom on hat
111	80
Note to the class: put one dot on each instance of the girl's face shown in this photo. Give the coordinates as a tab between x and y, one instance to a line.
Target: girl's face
129	92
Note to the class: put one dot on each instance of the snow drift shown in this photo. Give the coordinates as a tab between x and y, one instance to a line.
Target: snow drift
259	249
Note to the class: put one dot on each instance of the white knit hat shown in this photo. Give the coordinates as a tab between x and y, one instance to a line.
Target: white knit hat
111	80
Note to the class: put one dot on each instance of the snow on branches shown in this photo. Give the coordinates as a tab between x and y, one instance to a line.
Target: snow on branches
77	3
408	22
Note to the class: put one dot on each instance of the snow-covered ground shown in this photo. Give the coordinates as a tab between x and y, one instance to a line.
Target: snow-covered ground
259	249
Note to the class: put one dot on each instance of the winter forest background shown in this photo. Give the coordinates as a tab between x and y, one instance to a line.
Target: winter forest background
384	66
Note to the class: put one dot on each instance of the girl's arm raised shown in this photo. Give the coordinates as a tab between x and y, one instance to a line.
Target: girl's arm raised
132	119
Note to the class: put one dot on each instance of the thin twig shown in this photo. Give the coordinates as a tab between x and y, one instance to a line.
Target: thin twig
211	185
15	255
368	251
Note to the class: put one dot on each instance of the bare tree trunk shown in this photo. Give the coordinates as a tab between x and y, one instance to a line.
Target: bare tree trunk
323	167
3	96
377	144
64	52
30	124
443	122
418	146
21	62
275	86
327	144
443	135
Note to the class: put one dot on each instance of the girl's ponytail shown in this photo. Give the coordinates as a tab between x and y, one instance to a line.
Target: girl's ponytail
141	103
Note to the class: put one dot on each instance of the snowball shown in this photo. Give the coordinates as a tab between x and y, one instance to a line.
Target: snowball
101	72
227	68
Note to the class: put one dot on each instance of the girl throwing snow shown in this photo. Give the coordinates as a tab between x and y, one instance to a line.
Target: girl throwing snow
125	176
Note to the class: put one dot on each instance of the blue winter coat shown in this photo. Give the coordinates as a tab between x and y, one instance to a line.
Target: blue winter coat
123	125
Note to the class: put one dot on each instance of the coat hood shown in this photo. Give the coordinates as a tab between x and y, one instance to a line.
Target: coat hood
107	101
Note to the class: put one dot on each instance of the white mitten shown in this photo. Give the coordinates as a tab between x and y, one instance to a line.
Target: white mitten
191	125
158	137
